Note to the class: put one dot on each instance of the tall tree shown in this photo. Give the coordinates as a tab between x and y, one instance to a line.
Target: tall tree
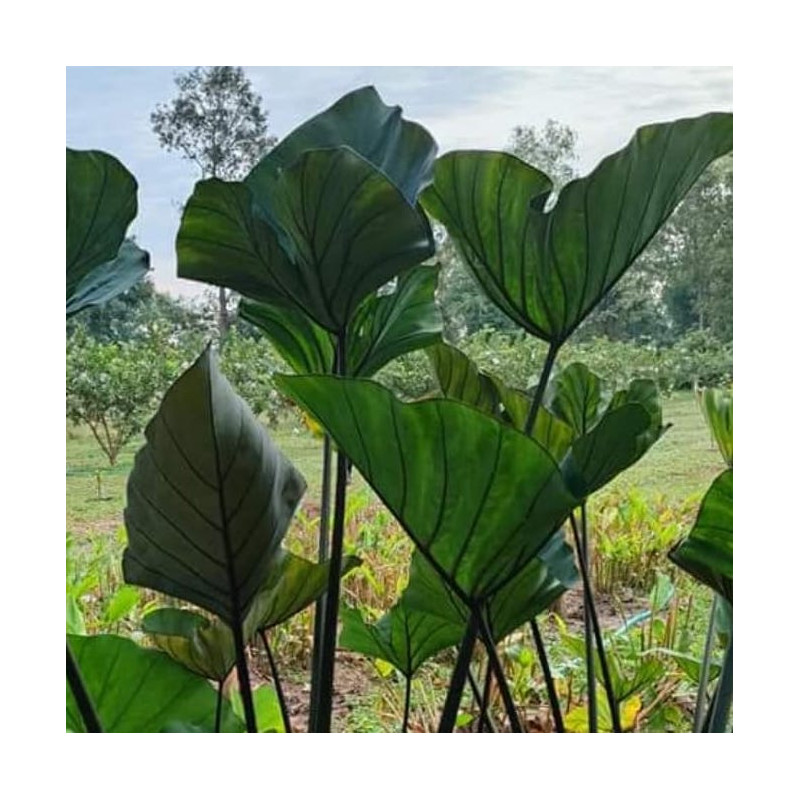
218	122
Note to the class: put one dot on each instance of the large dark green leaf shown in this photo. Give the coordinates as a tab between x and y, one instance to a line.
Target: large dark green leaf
101	202
138	690
405	637
613	445
209	497
305	346
110	279
202	645
529	593
404	151
707	552
717	406
477	497
293	583
547	270
388	324
575	395
460	379
333	230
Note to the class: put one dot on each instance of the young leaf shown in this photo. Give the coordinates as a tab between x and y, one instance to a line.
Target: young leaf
477	497
717	406
707	552
547	270
138	690
209	498
575	395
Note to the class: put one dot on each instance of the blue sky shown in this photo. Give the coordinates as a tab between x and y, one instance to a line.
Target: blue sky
108	108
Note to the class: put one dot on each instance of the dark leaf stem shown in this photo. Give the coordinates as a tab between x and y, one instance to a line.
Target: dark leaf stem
322	550
588	601
218	712
273	669
497	668
321	710
89	715
243	676
704	669
485	720
549	361
723	696
459	677
406	705
552	695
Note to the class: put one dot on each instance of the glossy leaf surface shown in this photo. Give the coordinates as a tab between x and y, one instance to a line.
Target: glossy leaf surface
477	497
547	270
717	406
402	150
138	690
404	636
101	202
707	552
202	645
292	584
209	498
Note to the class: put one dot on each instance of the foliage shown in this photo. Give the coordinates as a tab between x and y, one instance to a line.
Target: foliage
113	387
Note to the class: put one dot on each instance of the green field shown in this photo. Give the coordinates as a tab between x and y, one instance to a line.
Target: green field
680	466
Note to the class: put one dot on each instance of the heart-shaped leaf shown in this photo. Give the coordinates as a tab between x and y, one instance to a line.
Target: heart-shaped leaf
707	552
477	497
209	498
202	645
575	396
547	270
404	637
139	691
101	202
402	150
717	406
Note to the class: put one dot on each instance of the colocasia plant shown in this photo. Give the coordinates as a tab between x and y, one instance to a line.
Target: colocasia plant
330	242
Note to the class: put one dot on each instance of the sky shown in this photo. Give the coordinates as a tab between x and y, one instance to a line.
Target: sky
108	108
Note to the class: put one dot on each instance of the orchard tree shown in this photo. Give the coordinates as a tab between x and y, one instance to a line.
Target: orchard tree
218	122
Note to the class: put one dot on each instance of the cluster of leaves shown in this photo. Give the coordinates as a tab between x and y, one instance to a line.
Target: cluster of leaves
328	238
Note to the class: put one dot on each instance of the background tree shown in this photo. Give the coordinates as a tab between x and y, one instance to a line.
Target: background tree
218	122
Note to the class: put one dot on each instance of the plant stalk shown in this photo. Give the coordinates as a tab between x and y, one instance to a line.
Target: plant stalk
273	669
218	712
497	668
459	677
321	710
88	713
588	602
723	697
406	706
322	552
549	361
552	694
243	676
485	720
697	724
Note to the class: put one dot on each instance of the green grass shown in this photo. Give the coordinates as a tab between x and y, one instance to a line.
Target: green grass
681	465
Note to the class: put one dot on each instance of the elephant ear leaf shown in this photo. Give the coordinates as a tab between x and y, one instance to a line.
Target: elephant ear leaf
404	636
547	270
200	644
707	552
401	149
304	345
461	379
575	396
717	406
388	324
135	690
209	498
446	471
292	584
101	203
